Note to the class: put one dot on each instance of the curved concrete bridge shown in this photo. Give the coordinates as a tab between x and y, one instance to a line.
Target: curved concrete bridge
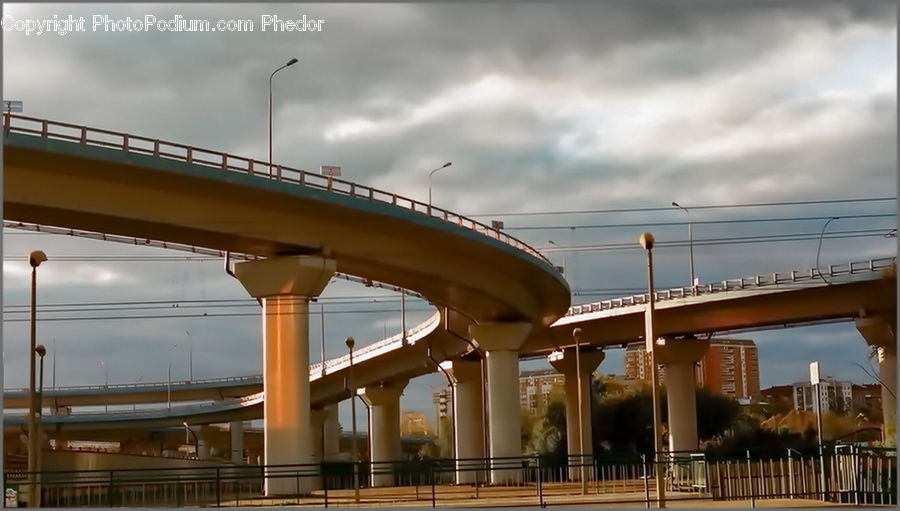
497	298
307	227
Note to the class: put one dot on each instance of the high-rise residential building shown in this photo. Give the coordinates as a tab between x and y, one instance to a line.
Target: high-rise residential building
536	387
730	367
837	396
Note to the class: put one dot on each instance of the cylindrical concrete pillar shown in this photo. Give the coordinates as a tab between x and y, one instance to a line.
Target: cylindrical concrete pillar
331	433
679	356
565	362
887	373
682	407
236	430
204	441
285	285
468	427
504	416
384	430
501	342
879	330
317	419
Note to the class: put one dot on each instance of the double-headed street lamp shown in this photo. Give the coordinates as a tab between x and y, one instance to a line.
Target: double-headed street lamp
289	63
351	385
444	166
690	239
647	242
34	259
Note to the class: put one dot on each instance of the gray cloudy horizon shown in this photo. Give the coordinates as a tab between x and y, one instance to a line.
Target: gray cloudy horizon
541	107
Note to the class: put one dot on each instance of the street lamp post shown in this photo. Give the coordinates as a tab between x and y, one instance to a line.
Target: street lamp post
444	166
196	439
576	336
289	63
690	240
34	259
41	351
351	383
647	242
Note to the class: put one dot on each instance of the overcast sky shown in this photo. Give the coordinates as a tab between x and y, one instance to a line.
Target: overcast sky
540	107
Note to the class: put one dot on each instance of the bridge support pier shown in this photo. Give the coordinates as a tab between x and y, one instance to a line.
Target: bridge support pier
679	357
881	333
317	417
384	429
468	427
331	433
564	362
285	285
501	342
204	441
236	430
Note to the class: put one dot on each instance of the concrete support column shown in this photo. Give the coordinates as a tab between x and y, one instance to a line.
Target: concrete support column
679	357
384	429
285	285
564	361
317	420
236	430
468	427
331	433
501	342
881	333
204	441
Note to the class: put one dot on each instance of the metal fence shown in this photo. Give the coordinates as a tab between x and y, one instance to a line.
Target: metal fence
844	474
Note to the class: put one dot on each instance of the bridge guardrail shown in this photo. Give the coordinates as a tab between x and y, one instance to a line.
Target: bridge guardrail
756	281
214	159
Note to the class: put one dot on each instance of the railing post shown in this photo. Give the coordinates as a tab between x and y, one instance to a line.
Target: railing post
83	132
750	480
190	154
218	487
125	142
224	161
538	480
110	496
433	491
646	480
156	148
45	130
790	475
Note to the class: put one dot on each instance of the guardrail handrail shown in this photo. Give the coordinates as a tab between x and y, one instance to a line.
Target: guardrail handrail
229	162
756	281
140	385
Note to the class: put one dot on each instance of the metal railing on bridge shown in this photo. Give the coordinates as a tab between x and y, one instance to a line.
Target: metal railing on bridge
228	162
756	281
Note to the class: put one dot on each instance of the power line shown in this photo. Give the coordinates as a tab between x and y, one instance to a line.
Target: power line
772	238
669	208
703	222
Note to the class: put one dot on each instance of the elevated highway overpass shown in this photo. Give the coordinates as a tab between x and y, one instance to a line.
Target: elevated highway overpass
492	291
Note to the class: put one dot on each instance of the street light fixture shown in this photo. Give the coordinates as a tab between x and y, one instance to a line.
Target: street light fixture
444	166
690	241
351	384
576	336
289	63
647	241
196	439
34	259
